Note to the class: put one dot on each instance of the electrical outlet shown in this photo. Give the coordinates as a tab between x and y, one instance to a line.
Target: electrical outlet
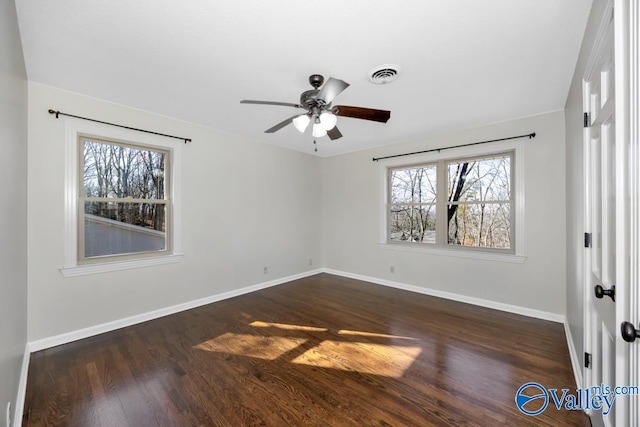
392	269
265	270
310	261
8	414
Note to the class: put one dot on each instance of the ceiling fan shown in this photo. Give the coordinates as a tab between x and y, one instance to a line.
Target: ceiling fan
317	103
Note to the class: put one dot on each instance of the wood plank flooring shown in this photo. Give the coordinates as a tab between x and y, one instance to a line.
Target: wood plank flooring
320	351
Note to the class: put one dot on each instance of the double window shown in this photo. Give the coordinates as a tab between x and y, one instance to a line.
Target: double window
462	203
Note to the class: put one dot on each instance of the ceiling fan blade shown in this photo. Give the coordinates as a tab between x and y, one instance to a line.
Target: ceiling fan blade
362	113
331	89
283	104
281	124
334	133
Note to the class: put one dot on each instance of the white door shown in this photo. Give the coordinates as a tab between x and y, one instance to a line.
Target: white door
606	214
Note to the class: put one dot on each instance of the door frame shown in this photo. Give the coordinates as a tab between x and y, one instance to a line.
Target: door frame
630	17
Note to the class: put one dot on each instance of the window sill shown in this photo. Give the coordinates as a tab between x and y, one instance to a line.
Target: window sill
83	270
459	253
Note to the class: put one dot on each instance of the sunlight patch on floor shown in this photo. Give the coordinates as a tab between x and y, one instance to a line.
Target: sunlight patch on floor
260	347
376	359
287	326
388	356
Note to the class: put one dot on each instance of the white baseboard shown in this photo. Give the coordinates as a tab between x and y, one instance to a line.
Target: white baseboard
22	387
575	360
68	337
529	312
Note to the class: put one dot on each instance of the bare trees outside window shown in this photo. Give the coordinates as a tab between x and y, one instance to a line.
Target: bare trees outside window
462	202
123	197
479	202
413	204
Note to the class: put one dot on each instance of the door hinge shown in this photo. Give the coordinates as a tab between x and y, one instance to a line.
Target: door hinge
587	360
587	240
585	122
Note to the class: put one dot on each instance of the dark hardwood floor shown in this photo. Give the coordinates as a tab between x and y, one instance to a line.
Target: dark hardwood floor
320	351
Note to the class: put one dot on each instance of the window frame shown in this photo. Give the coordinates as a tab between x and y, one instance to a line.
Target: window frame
74	263
511	201
442	159
82	259
418	204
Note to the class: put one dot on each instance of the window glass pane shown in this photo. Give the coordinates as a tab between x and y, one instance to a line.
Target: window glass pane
118	171
112	228
486	225
414	185
486	178
410	223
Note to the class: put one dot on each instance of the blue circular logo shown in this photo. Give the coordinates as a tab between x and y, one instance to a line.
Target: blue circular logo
532	398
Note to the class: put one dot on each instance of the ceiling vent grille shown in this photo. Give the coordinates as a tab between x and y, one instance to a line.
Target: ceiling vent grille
384	74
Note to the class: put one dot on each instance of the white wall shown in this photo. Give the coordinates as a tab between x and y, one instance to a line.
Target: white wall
245	205
13	208
352	198
576	185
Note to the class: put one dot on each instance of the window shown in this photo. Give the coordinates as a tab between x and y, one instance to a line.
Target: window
122	199
466	203
479	202
412	216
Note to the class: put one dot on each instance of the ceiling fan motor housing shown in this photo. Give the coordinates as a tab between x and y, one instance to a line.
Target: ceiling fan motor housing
309	99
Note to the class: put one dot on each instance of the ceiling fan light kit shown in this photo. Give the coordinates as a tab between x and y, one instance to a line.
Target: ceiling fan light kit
318	130
301	122
328	120
317	102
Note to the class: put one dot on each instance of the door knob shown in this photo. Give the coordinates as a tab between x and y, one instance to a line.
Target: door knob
629	332
601	292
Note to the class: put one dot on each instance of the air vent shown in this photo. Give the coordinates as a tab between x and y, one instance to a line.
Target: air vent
383	74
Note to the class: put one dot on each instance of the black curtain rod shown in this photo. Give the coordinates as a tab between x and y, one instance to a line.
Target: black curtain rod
529	135
59	113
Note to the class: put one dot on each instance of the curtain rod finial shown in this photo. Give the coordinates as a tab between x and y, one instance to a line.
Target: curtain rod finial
54	112
532	135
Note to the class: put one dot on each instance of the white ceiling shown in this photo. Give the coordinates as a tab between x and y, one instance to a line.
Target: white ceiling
464	63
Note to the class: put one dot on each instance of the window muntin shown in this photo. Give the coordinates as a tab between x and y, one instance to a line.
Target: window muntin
462	203
124	204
